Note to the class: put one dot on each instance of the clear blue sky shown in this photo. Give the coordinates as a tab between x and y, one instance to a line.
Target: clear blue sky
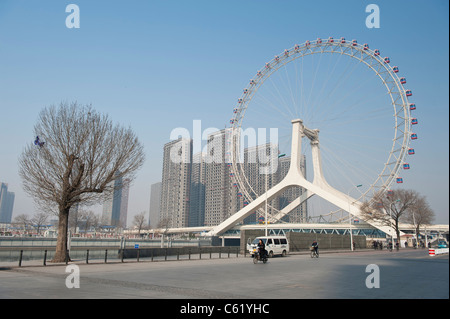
157	65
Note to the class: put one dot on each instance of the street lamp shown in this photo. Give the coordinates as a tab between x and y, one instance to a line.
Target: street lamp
265	218
350	215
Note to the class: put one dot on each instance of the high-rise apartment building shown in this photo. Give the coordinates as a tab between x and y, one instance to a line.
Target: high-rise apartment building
197	191
261	171
6	204
155	204
115	208
221	200
176	180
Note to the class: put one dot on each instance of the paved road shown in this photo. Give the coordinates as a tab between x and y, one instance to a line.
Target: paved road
406	274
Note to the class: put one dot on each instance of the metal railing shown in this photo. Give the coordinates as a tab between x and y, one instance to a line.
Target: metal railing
84	254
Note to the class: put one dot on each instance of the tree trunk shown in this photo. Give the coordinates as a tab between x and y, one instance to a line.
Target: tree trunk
61	253
397	231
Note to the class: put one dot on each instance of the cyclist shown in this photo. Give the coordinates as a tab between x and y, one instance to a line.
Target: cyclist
315	247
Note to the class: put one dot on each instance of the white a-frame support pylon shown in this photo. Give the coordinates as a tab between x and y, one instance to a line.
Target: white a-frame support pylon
294	177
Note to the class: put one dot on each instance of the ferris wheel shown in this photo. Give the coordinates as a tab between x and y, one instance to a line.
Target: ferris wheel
346	91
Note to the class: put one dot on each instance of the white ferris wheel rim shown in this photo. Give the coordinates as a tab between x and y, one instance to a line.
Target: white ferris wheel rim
362	53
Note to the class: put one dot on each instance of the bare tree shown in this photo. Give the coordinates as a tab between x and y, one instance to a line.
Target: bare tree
90	220
22	220
389	208
139	221
78	155
419	214
82	218
164	223
39	220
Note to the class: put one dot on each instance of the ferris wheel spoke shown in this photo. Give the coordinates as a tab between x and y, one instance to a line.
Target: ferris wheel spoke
338	83
320	96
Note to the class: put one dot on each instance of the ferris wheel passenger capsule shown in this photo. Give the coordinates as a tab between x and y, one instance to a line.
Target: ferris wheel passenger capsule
414	121
307	43
319	40
402	80
366	46
296	47
342	40
267	65
406	166
376	52
387	60
399	180
412	106
414	136
408	92
354	42
411	151
395	69
286	52
330	40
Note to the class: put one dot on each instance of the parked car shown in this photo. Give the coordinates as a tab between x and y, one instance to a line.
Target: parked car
442	244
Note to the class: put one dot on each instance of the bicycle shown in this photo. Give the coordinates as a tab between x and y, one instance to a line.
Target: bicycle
314	253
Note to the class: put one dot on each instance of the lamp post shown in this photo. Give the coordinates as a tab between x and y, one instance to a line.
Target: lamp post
350	215
265	218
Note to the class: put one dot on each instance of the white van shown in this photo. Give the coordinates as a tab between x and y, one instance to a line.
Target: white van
275	245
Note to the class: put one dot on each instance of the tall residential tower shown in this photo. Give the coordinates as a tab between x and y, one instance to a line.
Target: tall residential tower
176	182
6	204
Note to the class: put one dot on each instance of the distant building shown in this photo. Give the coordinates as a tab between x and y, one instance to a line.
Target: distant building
6	204
115	208
257	160
221	199
155	204
176	182
197	191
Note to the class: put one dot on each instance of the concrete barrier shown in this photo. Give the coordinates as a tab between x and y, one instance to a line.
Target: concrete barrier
437	251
